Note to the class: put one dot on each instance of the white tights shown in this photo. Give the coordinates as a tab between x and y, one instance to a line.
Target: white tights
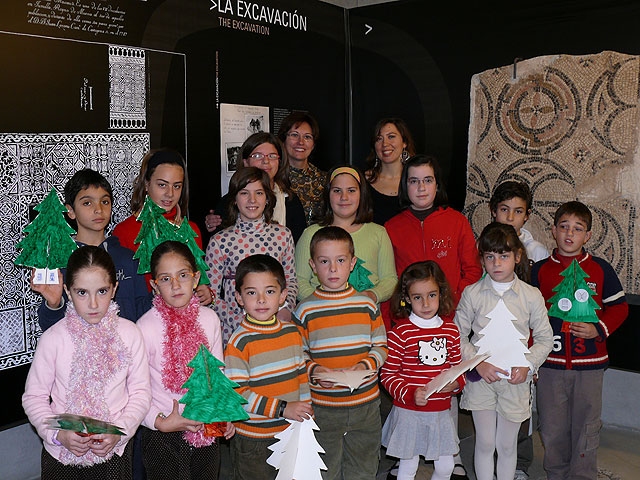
443	467
494	432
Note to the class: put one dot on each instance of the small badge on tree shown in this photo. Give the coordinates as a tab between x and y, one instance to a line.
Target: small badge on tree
573	300
48	243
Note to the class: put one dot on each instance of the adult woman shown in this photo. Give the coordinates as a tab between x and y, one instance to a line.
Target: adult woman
347	204
299	133
391	145
163	176
263	150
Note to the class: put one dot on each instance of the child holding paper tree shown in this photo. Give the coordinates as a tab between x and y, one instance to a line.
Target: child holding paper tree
419	350
91	363
174	331
586	304
501	310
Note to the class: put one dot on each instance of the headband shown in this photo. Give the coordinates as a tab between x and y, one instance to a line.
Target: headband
165	156
340	170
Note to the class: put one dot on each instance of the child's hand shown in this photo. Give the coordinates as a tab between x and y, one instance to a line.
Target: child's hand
212	221
284	315
74	443
518	375
322	383
420	396
50	292
103	443
230	431
450	387
204	295
370	294
583	330
489	372
298	411
176	422
357	366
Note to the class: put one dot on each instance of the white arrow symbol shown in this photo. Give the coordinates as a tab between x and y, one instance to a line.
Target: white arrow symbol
369	28
215	5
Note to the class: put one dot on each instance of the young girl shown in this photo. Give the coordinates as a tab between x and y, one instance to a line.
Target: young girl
500	404
173	330
250	231
347	204
163	176
90	363
419	350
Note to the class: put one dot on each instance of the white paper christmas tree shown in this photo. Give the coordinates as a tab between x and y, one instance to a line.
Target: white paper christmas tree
503	340
296	453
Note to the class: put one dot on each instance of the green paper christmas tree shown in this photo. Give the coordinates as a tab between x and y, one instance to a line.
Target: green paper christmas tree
48	243
81	424
359	277
211	396
573	302
156	229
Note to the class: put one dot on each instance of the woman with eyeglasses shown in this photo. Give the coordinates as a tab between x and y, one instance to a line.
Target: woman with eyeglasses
299	133
391	146
263	150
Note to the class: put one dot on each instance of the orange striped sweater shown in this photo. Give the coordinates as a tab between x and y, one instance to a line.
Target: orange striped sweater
339	330
268	364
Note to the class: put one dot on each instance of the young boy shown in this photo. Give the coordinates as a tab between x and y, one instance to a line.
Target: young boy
511	204
88	197
342	330
265	357
570	382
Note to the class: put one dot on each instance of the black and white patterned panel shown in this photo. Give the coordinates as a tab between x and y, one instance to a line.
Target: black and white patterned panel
30	164
127	88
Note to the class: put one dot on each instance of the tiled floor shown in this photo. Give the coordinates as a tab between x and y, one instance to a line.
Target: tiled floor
618	455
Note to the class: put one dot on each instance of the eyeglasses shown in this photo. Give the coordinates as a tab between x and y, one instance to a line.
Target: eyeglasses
262	156
296	136
418	181
184	277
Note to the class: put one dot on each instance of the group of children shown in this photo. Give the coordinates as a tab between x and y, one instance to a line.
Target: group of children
91	361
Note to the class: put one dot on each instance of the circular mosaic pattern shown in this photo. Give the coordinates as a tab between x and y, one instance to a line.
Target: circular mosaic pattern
537	114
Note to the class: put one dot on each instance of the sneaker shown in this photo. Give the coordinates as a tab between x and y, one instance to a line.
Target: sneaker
459	476
521	475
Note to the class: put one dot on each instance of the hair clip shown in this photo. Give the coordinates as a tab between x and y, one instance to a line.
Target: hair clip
403	303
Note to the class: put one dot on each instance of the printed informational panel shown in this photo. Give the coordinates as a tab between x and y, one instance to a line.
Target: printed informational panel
127	92
237	123
30	165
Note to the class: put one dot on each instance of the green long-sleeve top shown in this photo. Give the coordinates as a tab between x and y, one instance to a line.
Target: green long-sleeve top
372	246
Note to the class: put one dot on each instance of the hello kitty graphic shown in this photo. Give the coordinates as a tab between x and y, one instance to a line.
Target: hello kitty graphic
433	352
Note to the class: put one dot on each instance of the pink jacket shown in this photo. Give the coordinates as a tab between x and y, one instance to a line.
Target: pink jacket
128	395
152	328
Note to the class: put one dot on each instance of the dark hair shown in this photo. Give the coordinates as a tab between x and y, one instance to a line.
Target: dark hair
254	141
414	273
152	160
240	180
294	120
373	165
82	179
171	246
335	234
441	199
508	190
260	264
89	256
578	209
500	238
364	214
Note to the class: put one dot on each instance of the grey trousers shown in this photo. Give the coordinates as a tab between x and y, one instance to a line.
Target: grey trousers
569	408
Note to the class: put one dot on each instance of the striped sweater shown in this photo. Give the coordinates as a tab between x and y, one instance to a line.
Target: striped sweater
339	330
419	350
268	364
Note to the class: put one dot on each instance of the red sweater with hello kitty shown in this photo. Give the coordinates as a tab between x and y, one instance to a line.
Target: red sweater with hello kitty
419	350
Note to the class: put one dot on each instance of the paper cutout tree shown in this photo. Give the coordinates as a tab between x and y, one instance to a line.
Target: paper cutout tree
48	243
296	454
156	229
82	425
502	340
573	300
211	397
359	277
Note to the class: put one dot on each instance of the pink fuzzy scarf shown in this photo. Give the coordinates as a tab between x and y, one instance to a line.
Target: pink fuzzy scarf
99	353
183	337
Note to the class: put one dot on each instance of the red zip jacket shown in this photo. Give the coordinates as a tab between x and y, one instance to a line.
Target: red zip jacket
573	353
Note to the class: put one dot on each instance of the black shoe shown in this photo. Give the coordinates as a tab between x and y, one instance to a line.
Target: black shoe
456	476
391	476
